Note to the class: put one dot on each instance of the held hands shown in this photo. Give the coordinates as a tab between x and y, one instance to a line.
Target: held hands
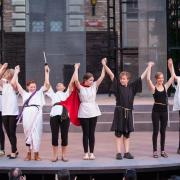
170	62
77	65
46	68
151	63
17	69
104	61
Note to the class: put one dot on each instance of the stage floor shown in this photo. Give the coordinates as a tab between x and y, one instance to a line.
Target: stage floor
141	148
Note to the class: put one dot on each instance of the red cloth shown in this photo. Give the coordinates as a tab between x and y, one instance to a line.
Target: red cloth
72	105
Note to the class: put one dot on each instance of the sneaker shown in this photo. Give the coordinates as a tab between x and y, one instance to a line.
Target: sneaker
118	156
2	153
128	155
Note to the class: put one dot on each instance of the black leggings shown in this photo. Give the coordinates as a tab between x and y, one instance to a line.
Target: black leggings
157	117
10	127
88	127
2	138
56	123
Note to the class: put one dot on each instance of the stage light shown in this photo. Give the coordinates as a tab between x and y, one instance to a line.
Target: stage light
93	4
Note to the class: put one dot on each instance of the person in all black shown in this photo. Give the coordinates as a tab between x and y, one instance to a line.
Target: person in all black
160	107
125	92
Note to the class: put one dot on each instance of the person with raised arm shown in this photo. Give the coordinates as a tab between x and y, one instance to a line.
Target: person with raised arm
122	125
160	107
31	114
59	119
88	109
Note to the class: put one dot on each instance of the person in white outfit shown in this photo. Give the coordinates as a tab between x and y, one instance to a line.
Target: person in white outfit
88	110
33	100
59	119
10	109
2	137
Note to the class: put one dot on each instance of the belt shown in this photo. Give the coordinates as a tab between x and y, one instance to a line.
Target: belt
160	104
55	104
35	105
125	110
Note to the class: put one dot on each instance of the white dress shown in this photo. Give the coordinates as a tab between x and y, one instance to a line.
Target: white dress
9	101
88	107
56	98
32	118
176	103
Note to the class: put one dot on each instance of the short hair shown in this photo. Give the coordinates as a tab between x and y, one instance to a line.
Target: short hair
30	82
63	174
158	74
15	174
125	73
130	174
87	76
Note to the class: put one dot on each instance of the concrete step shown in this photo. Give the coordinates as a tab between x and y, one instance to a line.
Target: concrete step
141	113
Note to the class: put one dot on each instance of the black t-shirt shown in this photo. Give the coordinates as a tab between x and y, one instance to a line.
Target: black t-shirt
125	95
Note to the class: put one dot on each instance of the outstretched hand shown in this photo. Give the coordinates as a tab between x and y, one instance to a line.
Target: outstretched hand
5	65
104	61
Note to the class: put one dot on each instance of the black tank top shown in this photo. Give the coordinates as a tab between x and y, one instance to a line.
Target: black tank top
160	101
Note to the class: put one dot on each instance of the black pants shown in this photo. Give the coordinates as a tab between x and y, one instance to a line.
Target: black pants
2	138
56	123
159	118
88	127
10	127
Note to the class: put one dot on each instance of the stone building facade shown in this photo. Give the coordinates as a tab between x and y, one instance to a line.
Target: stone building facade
141	30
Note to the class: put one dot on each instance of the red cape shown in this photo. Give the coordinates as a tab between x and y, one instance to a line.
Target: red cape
72	105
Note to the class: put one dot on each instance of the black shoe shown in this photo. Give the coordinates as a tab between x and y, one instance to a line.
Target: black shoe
9	155
118	156
164	154
128	156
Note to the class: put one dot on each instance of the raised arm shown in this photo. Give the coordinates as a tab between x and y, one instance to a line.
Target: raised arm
108	70
173	75
14	78
76	79
99	80
71	83
151	86
46	77
144	74
18	86
3	69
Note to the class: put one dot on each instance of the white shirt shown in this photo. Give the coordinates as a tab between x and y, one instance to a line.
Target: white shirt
176	103
36	99
9	100
56	98
88	107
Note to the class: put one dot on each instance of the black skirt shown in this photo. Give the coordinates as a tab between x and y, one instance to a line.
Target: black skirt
123	120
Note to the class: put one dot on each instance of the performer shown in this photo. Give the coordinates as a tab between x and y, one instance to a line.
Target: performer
2	138
88	109
176	102
10	109
123	118
32	113
160	107
59	119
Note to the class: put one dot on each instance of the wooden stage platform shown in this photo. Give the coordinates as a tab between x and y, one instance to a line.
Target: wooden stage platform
141	148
